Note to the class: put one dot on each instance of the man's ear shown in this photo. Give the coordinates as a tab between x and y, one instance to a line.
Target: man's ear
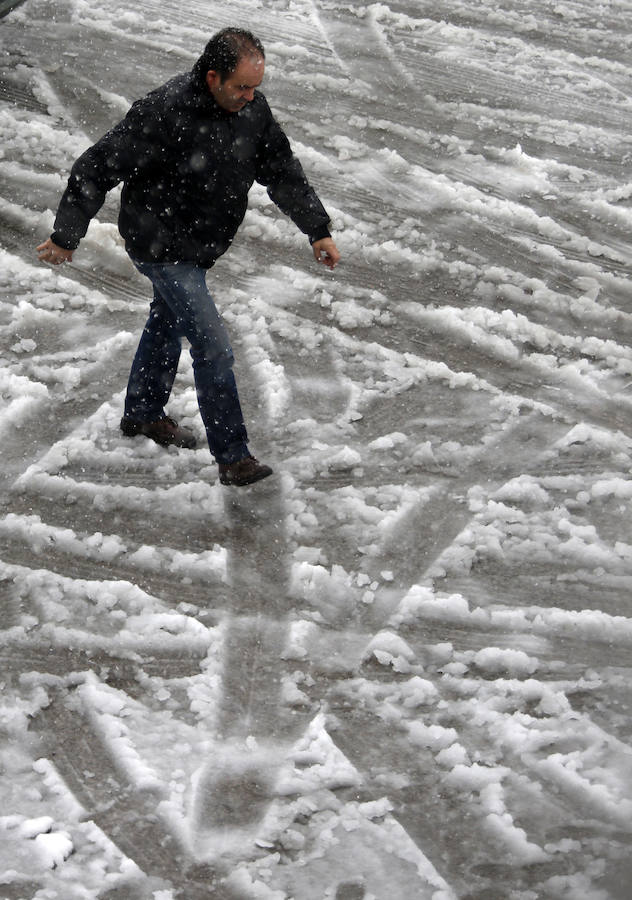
212	79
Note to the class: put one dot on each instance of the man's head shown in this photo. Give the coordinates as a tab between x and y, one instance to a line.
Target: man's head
231	66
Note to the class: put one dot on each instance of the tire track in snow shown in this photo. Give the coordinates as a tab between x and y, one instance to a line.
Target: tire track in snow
260	557
523	376
15	552
518	456
127	815
521	449
427	530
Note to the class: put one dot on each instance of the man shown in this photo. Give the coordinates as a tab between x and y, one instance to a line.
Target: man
187	155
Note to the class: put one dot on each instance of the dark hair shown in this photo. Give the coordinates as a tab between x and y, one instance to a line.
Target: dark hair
224	52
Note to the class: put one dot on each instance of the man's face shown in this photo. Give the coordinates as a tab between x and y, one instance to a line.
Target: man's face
239	87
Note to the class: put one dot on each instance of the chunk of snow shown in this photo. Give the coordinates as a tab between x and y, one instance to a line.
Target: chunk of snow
343	460
516	662
388	441
390	649
431	737
54	848
32	827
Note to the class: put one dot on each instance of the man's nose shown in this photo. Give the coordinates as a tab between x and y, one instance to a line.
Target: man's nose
249	94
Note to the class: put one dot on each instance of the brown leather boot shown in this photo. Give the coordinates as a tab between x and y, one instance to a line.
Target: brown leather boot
164	431
244	471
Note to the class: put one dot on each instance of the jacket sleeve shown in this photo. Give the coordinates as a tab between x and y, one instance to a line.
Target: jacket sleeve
127	147
283	176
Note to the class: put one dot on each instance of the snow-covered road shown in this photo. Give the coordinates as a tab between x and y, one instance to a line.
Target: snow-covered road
401	668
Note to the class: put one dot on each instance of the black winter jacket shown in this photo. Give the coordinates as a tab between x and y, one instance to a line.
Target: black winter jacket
186	166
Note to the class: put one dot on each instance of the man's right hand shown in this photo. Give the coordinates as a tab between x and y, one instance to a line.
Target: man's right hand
51	253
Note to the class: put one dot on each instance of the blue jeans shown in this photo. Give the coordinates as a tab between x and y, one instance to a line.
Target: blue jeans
183	307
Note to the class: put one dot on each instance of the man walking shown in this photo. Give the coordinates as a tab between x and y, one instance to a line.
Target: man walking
187	155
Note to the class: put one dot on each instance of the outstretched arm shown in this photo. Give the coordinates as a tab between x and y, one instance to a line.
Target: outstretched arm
128	146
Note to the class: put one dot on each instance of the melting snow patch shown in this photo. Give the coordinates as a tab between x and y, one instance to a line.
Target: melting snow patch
322	764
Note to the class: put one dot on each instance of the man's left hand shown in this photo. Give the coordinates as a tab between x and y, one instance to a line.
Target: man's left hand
326	252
